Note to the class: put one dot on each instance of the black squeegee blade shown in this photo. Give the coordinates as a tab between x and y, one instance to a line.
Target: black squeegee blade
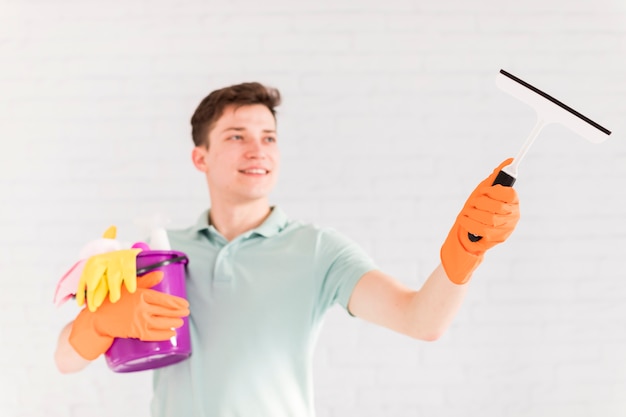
557	102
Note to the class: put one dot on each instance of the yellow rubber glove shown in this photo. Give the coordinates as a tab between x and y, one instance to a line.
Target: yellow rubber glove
146	314
106	273
491	211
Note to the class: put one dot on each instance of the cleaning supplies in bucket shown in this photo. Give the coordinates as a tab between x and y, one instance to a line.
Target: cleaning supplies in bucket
125	354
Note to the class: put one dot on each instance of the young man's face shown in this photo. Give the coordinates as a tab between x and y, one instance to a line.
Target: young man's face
242	160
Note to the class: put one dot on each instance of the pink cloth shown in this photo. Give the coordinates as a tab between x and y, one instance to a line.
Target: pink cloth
66	287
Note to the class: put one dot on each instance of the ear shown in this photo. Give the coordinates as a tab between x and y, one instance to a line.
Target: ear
199	158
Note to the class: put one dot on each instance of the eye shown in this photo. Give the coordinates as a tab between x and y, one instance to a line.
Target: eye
235	137
270	139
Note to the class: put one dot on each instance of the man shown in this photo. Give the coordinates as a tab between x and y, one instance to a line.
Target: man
259	283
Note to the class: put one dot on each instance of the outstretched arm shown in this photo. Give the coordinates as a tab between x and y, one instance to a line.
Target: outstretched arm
492	212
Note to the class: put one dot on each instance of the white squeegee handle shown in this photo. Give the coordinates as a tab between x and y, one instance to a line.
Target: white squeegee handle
513	167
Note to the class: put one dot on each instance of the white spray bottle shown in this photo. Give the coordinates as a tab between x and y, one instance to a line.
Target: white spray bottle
154	227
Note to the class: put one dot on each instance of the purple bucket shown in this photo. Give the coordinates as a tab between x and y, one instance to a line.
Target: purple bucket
130	355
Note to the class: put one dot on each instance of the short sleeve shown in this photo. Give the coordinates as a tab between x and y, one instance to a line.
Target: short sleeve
340	263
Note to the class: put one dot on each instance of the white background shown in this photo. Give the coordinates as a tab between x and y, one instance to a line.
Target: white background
390	118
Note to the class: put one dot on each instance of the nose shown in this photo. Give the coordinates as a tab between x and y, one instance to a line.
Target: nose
255	149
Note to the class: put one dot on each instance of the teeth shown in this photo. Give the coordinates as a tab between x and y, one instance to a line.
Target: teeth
255	171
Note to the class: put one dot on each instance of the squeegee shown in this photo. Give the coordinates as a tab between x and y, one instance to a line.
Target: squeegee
549	110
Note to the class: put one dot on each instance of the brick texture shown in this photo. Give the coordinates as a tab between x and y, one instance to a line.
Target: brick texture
390	118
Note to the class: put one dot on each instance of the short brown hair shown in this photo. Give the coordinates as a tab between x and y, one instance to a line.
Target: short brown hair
212	106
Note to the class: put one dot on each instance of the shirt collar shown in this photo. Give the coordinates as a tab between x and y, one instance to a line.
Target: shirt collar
203	222
275	222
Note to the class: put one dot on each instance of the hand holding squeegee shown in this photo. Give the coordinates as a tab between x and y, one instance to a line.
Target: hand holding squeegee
549	110
491	213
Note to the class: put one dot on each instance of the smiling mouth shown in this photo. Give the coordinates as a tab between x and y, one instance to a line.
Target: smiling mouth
255	171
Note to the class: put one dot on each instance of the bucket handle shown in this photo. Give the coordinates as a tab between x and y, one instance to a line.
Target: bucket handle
146	269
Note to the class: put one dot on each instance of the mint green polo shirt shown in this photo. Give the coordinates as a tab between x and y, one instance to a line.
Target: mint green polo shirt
257	304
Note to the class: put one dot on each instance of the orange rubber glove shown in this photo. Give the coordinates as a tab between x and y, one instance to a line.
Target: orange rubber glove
146	314
491	211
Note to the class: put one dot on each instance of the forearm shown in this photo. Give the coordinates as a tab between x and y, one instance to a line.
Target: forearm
431	309
424	314
66	358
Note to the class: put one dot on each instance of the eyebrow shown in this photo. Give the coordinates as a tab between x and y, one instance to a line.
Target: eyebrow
240	129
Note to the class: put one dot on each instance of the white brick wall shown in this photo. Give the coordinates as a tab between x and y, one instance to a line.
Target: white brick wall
390	118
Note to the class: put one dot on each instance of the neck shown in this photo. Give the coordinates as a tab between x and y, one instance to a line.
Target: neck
231	220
